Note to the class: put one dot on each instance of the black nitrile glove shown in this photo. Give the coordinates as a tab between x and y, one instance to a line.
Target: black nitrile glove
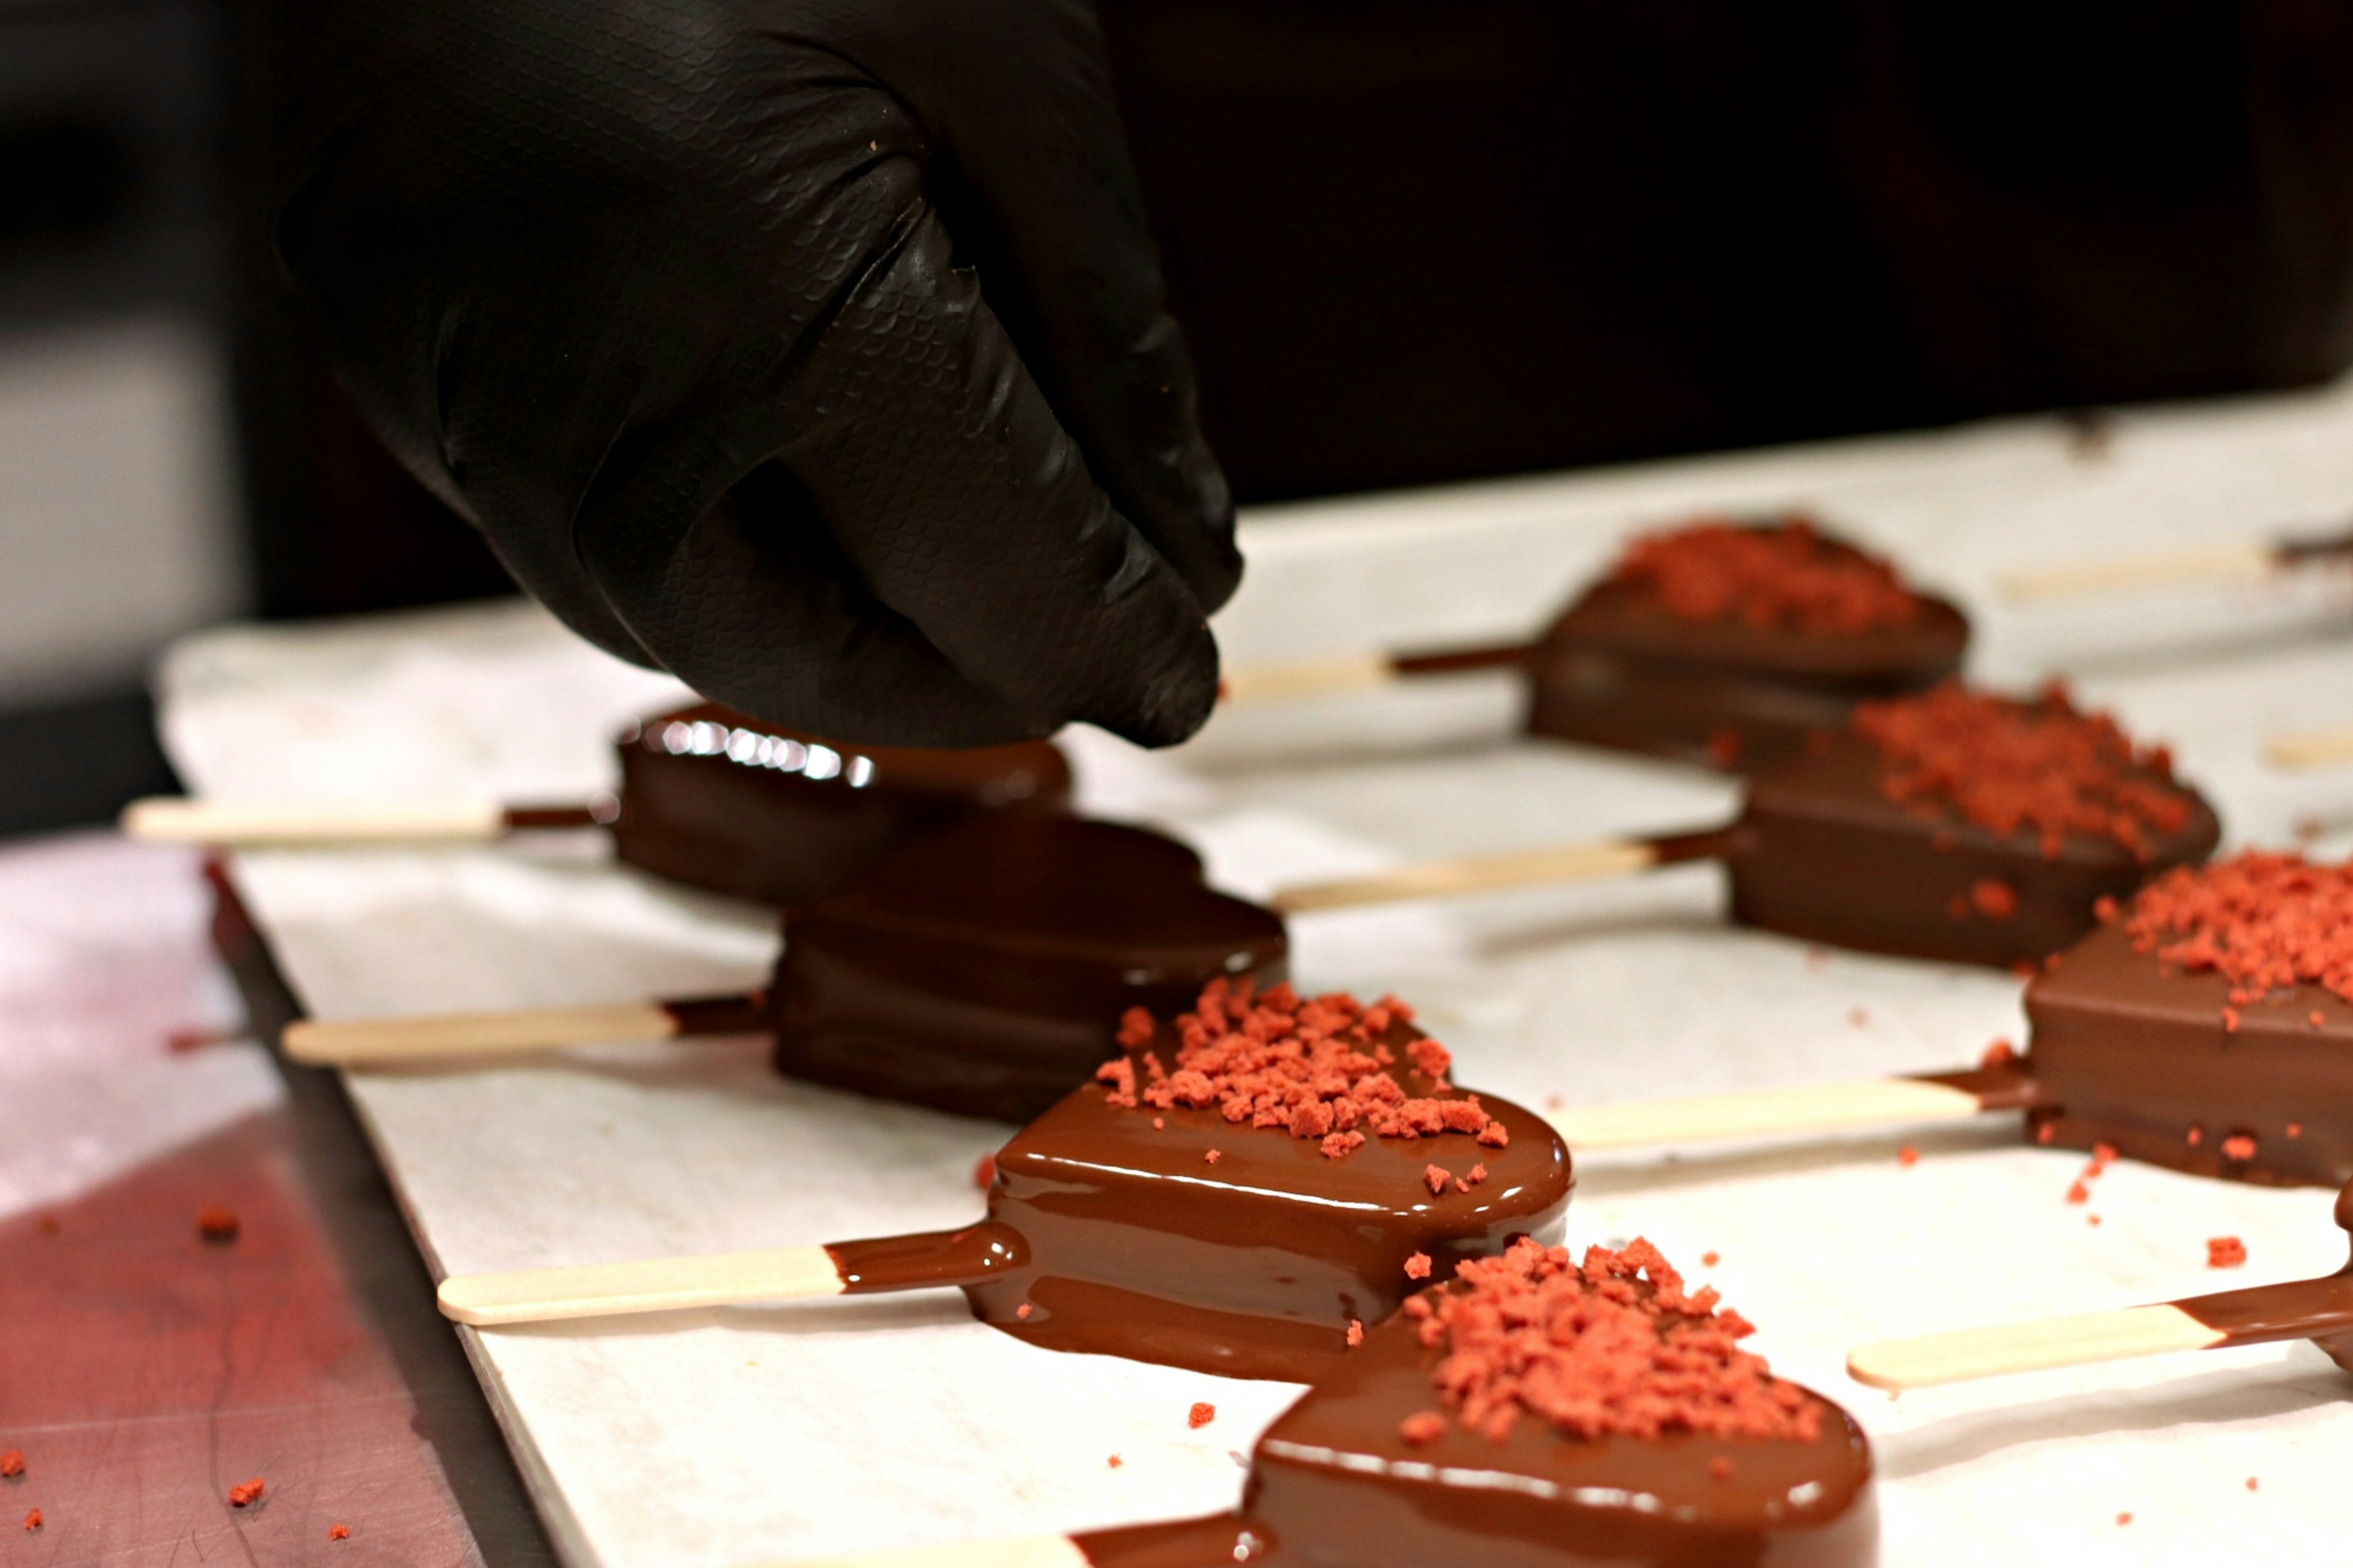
682	303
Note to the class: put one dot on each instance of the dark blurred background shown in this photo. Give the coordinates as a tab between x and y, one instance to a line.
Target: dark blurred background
1411	241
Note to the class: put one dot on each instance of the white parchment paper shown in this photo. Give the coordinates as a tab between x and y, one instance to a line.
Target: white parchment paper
730	1436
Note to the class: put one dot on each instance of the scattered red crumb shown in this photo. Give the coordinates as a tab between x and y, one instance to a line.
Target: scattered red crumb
983	1173
1478	1173
216	1225
1319	1068
1611	1346
2263	921
1214	1155
1710	1259
2195	1135
1135	1029
12	1463
1996	901
1436	1179
1024	1311
2105	908
1720	1468
1782	575
1422	1429
2230	1020
246	1492
1115	1461
1858	1016
2045	1131
2092	1219
1554	1102
1907	1155
2009	765
2103	1155
2002	1053
338	1532
2225	1252
2238	1146
2296	1129
1355	1333
33	1519
1418	1266
1158	1122
2079	1193
1201	1414
2125	1518
2252	1484
2316	1019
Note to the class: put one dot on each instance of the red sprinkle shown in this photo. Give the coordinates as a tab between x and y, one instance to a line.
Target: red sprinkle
2252	1484
2263	921
2079	1193
1611	1346
1710	1259
1720	1468
1116	1461
246	1492
1321	1068
1023	1310
12	1463
1214	1155
2008	765
33	1519
2225	1252
216	1225
2002	1053
2238	1146
2296	1129
1355	1333
1478	1173
1436	1178
1907	1156
1422	1429
1777	576
1418	1266
1201	1414
2092	1219
1994	900
338	1532
2124	1518
983	1174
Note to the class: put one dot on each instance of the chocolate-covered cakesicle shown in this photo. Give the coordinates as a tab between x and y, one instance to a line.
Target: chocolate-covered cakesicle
717	800
1241	1192
1953	825
1728	645
983	970
2320	1311
709	797
1536	1413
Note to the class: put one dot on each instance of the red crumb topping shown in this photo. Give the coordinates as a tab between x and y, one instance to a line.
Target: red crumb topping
1201	1414
1720	1468
216	1225
1315	1067
1355	1333
2125	1518
1997	900
1782	576
2225	1252
2238	1146
2296	1129
246	1492
1422	1429
2251	1483
2263	921
338	1532
1907	1155
2196	1135
1023	1310
1436	1179
2079	1193
1214	1155
12	1463
1116	1461
1613	1346
33	1519
1418	1266
1710	1259
983	1173
2002	1053
2008	765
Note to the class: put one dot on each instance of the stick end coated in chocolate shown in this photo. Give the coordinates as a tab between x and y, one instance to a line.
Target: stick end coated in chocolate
1728	644
1204	1205
984	969
1423	1446
717	800
2181	1064
1962	826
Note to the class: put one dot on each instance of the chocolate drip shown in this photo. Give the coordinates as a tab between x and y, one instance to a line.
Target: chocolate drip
968	1256
2317	1309
1823	855
2141	1056
1996	1089
717	800
985	970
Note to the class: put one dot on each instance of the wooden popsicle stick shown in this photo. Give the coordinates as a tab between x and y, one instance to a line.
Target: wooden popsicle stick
2249	561
1022	1552
1475	874
232	826
2029	1347
648	1285
2311	748
1282	681
357	1041
1819	1108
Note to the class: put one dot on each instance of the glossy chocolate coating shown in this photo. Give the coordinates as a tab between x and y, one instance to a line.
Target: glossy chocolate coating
2136	1054
984	970
1617	670
716	800
1122	1238
1821	853
2320	1310
1333	1486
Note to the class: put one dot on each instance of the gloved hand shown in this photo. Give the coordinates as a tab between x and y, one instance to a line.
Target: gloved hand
706	313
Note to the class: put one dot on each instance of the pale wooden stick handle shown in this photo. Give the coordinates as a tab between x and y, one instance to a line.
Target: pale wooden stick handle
2029	1347
349	1041
1308	678
2247	561
1025	1551
1821	1107
648	1285
231	825
1476	873
2311	748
